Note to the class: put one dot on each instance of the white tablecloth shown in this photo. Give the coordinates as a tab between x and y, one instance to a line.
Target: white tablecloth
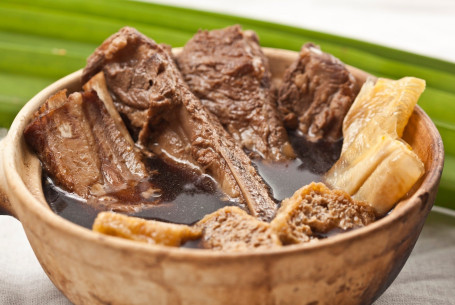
421	26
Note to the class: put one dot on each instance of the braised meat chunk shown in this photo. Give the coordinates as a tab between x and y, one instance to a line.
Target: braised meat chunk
232	229
168	120
316	94
140	77
82	148
315	210
98	84
228	71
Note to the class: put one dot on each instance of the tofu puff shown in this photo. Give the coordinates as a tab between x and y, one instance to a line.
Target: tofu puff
311	212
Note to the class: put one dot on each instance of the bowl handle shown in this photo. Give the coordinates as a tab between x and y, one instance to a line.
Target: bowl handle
5	205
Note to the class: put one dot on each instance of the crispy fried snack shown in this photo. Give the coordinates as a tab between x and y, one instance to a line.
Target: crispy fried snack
149	231
314	210
232	229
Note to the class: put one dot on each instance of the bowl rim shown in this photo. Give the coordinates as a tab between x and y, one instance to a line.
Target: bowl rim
16	187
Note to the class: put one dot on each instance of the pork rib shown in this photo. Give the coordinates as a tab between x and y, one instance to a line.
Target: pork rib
316	94
83	149
229	72
167	119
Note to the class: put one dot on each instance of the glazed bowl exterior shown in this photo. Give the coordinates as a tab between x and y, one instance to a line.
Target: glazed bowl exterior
90	268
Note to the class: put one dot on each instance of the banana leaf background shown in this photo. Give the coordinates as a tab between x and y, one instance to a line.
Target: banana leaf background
43	40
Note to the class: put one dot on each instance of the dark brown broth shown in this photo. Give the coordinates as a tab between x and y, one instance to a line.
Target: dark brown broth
186	198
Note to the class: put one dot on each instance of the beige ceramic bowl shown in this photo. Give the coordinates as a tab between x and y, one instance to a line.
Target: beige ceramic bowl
89	268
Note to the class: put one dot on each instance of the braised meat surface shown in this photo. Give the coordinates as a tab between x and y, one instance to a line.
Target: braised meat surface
168	120
228	71
316	94
82	147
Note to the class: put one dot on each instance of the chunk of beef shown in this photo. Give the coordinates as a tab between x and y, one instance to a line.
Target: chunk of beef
231	229
149	231
82	148
315	210
229	72
167	119
316	93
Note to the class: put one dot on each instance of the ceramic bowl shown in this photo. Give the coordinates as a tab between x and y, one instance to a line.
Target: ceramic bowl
89	268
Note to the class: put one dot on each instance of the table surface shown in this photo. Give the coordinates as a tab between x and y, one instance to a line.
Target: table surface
419	26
